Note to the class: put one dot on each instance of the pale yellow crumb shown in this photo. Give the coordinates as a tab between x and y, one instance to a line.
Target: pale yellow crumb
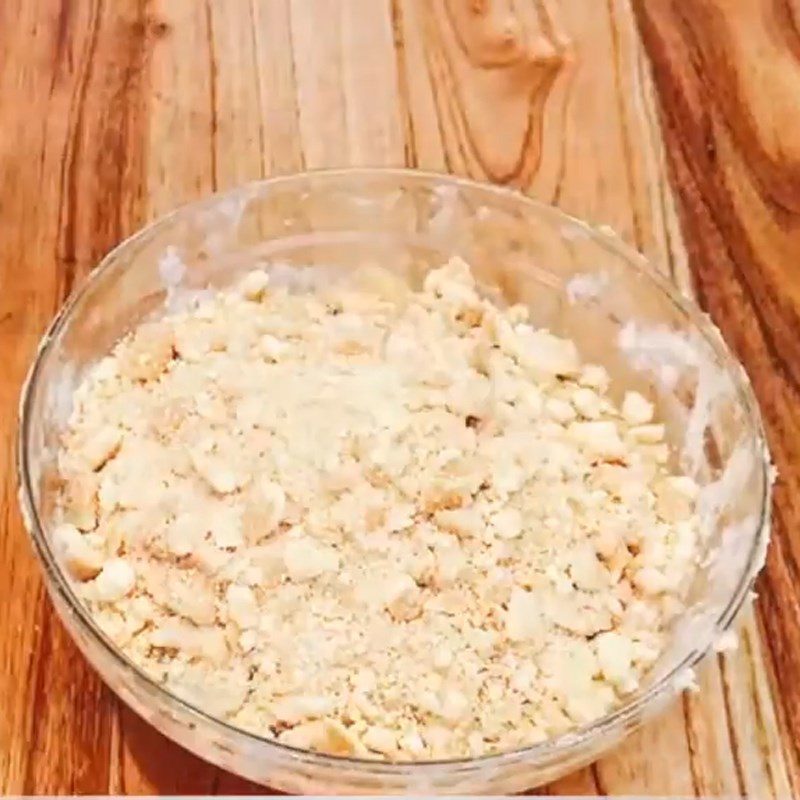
376	522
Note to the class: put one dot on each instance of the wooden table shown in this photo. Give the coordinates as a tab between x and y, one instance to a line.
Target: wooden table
115	111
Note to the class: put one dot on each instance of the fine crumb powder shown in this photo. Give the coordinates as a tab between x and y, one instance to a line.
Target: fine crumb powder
375	522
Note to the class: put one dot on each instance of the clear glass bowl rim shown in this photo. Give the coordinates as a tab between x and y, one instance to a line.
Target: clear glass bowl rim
542	752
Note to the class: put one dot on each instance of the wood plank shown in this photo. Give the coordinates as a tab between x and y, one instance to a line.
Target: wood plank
55	729
725	82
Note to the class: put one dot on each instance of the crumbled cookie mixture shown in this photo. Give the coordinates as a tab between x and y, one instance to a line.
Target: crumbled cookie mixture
371	521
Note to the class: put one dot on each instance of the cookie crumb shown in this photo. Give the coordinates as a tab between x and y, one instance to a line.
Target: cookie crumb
372	521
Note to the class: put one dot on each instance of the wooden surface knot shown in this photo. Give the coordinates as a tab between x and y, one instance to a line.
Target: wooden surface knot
502	64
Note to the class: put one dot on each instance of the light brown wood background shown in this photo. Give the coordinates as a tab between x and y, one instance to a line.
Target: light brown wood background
115	111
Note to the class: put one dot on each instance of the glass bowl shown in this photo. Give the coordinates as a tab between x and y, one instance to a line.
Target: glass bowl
578	282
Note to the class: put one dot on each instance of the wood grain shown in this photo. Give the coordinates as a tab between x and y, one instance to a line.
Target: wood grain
727	83
112	113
